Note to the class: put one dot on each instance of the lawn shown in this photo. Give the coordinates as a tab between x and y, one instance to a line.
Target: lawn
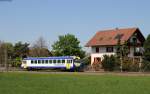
37	83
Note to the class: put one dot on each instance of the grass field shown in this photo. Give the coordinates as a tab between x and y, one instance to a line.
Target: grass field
38	83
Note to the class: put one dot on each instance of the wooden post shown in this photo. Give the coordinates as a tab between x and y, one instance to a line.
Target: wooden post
121	64
140	64
6	63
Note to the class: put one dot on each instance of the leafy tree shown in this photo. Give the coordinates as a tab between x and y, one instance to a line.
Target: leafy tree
118	47
125	49
134	42
67	45
147	49
122	51
21	50
146	61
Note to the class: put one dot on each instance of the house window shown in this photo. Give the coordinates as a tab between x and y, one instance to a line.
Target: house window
97	49
109	49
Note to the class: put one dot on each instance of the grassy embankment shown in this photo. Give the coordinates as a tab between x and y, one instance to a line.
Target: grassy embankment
30	83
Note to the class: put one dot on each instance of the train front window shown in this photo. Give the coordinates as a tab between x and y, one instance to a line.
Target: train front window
69	61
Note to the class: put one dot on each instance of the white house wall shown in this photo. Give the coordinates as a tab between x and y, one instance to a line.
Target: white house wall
95	55
102	52
101	49
131	52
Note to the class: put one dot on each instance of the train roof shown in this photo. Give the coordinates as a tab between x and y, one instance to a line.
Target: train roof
43	58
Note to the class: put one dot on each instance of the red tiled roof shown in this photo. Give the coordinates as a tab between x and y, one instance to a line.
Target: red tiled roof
108	37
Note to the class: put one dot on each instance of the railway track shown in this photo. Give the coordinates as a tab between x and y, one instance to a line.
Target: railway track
85	73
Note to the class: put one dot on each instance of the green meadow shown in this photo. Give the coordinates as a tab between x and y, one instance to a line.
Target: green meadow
46	83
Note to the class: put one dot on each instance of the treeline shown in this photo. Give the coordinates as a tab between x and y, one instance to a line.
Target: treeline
12	54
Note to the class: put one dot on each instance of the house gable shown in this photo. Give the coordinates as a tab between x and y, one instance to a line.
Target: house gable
140	38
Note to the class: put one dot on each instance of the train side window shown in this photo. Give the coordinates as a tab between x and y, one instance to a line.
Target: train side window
35	61
46	61
63	61
39	61
31	61
50	61
58	61
42	61
54	61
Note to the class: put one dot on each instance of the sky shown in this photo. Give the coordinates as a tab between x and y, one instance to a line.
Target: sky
27	20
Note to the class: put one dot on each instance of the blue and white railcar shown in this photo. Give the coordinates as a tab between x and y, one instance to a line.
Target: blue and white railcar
63	62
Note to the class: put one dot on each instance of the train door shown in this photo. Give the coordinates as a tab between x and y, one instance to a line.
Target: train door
69	63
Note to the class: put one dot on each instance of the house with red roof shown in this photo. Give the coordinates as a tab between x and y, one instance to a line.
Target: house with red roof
104	42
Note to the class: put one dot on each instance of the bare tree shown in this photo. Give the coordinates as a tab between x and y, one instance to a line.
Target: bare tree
3	55
0	53
40	43
39	48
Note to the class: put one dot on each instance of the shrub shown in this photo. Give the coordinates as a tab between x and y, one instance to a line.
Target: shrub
128	65
146	65
109	63
16	62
